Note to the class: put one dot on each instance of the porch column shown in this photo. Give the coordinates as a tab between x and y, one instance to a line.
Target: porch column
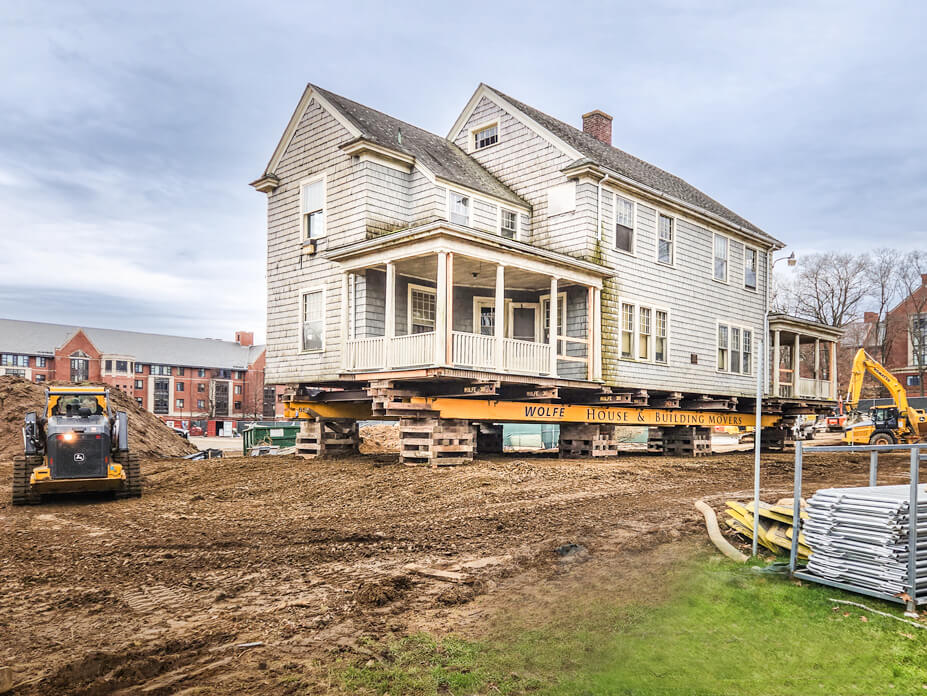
817	366
390	319
345	317
590	333
499	326
552	334
776	361
441	311
833	369
796	364
449	333
597	333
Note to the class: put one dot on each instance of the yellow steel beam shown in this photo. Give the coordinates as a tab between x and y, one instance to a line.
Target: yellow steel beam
517	411
521	412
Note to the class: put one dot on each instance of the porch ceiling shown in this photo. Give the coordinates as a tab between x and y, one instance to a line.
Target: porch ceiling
473	272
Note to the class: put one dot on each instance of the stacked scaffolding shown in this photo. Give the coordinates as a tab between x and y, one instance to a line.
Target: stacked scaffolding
859	537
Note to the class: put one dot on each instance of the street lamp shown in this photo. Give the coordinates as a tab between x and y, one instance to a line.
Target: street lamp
761	387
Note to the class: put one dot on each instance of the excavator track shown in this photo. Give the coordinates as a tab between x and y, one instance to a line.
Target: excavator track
23	494
133	469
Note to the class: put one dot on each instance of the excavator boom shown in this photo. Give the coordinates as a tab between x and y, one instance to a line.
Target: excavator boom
863	363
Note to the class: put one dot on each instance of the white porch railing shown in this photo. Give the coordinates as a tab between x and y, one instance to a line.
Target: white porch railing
815	388
366	353
474	350
525	356
412	350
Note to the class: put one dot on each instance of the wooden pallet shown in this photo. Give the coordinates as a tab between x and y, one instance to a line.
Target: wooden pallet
436	441
587	440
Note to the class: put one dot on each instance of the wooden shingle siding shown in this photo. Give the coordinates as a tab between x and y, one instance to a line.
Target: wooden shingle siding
527	164
696	302
485	216
313	150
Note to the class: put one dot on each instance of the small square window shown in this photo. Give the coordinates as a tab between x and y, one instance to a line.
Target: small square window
459	208
509	224
484	137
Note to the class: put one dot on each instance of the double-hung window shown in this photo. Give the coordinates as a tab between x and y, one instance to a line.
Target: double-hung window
458	208
751	264
484	137
666	241
312	205
735	349
644	333
421	309
40	362
508	223
313	320
624	224
722	247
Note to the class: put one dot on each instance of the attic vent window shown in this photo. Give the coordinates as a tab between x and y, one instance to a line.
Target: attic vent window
484	137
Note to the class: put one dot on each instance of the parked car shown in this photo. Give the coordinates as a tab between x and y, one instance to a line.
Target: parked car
196	431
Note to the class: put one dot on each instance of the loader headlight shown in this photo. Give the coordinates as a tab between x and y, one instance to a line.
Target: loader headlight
67	437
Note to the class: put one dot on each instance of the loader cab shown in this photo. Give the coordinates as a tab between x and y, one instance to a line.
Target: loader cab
884	417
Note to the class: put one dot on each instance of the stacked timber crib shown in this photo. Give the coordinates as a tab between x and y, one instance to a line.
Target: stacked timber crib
679	441
588	440
327	437
436	441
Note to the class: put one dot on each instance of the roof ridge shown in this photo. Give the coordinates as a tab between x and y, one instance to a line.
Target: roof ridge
80	327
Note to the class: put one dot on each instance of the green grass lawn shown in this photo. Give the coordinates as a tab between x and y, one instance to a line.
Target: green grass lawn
724	630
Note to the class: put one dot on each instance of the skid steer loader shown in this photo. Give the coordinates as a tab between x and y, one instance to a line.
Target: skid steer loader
79	443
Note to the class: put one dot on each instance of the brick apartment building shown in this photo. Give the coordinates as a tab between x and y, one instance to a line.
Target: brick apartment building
900	340
185	381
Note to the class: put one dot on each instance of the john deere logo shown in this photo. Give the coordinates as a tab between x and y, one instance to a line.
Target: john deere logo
78	456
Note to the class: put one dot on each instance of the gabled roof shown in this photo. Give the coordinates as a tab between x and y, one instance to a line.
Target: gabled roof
39	338
436	154
629	166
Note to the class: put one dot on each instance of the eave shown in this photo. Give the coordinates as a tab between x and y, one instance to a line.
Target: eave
266	184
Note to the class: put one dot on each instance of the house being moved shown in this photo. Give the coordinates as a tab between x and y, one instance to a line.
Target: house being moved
517	263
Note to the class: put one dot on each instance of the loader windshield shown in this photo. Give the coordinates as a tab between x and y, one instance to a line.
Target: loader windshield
72	405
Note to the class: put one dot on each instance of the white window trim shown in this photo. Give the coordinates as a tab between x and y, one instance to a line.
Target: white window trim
303	227
471	143
635	333
480	301
469	197
749	247
656	249
499	209
561	307
633	251
537	318
753	345
424	289
301	309
727	268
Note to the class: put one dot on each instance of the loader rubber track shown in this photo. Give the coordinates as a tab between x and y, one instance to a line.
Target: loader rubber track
22	470
132	467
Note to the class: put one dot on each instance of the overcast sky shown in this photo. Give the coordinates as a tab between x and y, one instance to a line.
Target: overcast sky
129	131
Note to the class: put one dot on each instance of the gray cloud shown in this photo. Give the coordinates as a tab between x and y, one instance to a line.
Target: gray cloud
129	132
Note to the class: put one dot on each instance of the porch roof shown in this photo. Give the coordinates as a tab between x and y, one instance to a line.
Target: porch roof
806	327
446	236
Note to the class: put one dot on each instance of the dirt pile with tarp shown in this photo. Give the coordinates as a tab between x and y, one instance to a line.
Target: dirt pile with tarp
148	436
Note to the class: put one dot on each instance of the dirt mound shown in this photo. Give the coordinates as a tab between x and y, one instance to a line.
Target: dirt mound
378	593
148	435
376	439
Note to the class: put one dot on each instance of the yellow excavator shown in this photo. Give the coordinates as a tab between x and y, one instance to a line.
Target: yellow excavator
899	423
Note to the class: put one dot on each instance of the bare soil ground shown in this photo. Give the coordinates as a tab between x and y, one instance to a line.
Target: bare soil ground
309	557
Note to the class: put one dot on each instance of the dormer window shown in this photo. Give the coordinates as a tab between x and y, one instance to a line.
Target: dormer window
509	224
484	137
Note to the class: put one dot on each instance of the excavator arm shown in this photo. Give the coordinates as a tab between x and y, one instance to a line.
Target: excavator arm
863	363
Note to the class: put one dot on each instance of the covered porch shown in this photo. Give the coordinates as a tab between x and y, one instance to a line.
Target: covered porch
454	299
803	358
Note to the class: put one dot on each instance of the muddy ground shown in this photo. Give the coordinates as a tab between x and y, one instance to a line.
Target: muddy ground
154	595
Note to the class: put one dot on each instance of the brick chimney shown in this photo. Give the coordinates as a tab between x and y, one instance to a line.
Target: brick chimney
244	338
869	317
923	278
598	124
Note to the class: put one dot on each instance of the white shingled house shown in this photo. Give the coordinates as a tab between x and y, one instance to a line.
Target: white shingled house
517	251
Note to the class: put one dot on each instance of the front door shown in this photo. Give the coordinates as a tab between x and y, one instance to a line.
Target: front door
80	369
524	321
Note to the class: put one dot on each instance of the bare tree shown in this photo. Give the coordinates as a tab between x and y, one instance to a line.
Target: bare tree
914	283
782	298
831	287
884	279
